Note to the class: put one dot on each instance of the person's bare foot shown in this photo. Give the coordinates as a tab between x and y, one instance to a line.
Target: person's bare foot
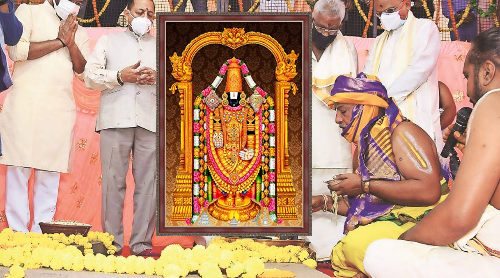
360	275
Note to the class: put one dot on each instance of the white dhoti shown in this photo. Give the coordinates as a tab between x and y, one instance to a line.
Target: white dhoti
326	230
17	208
399	258
331	153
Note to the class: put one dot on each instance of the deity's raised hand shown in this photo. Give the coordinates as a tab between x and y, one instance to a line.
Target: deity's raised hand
246	154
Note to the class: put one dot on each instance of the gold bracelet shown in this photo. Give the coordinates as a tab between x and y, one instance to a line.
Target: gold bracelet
324	199
335	206
366	187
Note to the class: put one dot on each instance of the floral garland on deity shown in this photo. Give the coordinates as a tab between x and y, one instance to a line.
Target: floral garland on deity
202	192
269	163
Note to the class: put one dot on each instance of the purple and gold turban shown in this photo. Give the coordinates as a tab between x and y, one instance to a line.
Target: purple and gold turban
371	131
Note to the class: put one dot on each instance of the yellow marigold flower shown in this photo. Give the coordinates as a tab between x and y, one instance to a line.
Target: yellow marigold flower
149	266
108	265
139	265
226	259
89	262
99	259
91	236
209	269
130	262
185	268
67	259
120	264
235	270
56	263
16	271
79	263
198	251
171	271
254	265
303	255
310	263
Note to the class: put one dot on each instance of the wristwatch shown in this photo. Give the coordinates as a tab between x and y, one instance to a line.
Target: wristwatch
119	78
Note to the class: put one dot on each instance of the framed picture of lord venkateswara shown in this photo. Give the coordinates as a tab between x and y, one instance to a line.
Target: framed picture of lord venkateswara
233	124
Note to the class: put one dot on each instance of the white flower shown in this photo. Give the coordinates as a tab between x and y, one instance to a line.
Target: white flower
196	164
196	114
196	141
272	141
272	189
271	115
196	189
250	81
217	82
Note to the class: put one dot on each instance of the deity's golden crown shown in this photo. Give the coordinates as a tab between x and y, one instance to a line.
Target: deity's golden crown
233	83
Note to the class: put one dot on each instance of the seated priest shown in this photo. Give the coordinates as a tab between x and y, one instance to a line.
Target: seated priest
469	219
397	177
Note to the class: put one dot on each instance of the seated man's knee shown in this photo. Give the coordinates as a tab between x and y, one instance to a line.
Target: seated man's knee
377	254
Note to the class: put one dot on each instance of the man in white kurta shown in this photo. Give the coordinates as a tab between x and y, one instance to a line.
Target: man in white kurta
331	154
404	58
38	116
121	66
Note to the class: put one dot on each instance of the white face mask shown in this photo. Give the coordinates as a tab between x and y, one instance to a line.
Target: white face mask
65	8
140	25
391	21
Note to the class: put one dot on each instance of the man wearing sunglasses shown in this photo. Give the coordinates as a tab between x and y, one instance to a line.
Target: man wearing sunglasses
333	55
404	58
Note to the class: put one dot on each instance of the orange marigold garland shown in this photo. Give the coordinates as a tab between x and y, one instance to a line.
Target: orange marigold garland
452	18
365	31
96	14
438	8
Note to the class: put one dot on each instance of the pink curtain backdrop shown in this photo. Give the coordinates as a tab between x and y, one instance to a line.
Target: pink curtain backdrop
80	191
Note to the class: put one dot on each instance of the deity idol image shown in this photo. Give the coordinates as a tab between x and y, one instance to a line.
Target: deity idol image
234	162
234	138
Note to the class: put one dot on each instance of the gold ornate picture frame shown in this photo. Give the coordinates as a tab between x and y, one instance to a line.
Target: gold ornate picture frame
233	124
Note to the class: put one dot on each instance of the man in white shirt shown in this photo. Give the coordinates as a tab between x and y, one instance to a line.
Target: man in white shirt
404	58
38	116
333	55
121	66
